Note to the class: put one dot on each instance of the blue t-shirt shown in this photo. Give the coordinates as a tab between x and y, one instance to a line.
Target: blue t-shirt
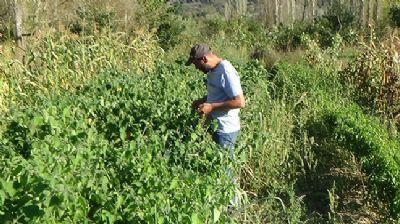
223	83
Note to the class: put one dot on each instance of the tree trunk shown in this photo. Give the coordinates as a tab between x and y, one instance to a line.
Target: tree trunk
305	3
276	12
378	10
312	9
261	10
281	11
264	6
370	12
293	11
270	10
353	7
362	13
126	21
56	23
18	24
227	9
241	7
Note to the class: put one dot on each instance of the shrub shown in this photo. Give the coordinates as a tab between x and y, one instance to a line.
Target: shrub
241	32
371	143
288	38
340	18
90	20
394	14
169	31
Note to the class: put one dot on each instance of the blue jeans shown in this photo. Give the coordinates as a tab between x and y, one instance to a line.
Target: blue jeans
227	141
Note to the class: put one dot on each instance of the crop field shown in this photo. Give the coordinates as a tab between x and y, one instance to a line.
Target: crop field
126	147
97	126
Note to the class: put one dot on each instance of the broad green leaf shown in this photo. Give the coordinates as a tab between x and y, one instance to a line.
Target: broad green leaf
66	112
196	219
160	220
8	187
37	120
174	184
216	215
32	211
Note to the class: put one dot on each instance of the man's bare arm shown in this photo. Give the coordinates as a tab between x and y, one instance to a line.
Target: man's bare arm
234	103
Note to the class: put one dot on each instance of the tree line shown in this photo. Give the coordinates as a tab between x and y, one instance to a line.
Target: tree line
19	17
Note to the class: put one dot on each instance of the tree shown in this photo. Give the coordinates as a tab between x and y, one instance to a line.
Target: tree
312	9
362	13
17	23
370	12
276	12
293	11
239	7
305	5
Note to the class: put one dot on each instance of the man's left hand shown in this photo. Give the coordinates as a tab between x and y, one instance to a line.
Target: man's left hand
205	108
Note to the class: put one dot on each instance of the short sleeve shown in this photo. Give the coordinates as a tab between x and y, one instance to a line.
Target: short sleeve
231	82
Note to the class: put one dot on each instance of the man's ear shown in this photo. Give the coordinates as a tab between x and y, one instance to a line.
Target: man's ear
204	59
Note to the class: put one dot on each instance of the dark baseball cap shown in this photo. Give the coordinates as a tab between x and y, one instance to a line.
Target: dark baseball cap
198	51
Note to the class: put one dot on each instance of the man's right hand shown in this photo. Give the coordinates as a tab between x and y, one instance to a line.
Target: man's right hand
198	102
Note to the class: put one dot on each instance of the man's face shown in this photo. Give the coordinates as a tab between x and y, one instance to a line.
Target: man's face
201	64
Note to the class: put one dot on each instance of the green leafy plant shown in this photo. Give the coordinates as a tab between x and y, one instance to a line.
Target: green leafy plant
394	14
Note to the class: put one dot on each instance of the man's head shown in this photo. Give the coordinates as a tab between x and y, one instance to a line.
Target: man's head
202	57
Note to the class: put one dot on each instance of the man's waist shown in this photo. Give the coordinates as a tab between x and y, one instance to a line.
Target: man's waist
225	113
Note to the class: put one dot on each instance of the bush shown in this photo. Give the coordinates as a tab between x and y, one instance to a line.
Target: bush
241	32
92	20
288	38
394	15
168	32
339	20
379	154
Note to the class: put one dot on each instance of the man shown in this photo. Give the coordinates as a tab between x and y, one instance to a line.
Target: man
223	101
224	94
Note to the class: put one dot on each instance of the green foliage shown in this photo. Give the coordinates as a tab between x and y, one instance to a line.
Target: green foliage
379	153
241	32
394	14
325	59
125	147
5	32
150	13
169	31
339	20
288	38
96	131
340	17
117	150
91	20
